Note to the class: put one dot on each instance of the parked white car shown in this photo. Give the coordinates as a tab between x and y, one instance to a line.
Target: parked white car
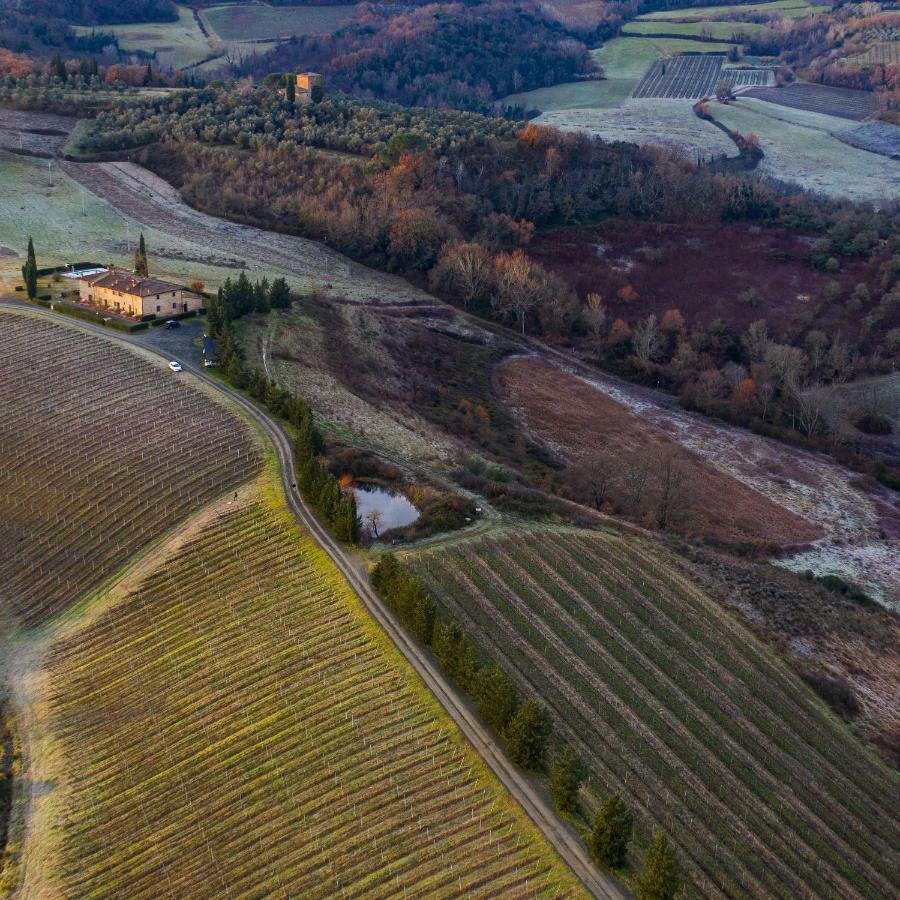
175	366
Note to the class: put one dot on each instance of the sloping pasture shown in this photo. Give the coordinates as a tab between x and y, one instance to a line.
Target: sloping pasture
234	725
103	451
674	704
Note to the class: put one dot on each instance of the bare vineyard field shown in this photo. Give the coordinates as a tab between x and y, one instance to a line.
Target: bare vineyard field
844	103
652	683
103	451
692	77
234	724
881	53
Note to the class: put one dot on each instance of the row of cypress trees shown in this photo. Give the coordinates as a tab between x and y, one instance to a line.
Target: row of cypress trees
521	723
336	507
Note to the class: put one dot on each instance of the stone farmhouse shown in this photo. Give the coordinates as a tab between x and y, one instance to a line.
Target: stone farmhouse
136	295
305	82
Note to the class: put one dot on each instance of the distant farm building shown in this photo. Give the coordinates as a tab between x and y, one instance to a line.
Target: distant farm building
136	295
305	82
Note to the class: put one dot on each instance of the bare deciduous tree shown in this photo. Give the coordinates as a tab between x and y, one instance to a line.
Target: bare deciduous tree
647	339
671	487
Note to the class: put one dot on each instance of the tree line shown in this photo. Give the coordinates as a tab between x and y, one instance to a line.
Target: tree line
321	489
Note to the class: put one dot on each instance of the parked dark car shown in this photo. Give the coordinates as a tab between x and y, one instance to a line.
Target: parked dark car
172	323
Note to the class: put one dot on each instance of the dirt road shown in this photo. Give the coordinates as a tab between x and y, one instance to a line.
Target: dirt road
353	568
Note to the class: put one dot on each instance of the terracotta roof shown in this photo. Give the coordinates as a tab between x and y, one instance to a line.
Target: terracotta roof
130	283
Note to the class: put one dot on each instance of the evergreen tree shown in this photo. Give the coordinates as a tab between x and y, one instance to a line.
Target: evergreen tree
29	271
527	734
611	834
148	75
279	294
466	664
566	775
261	296
140	258
58	68
317	93
290	88
496	697
661	878
384	574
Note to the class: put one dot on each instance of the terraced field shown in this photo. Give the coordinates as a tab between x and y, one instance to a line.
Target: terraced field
673	703
234	724
86	482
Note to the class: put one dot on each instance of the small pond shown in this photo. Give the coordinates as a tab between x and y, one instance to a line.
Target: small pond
389	510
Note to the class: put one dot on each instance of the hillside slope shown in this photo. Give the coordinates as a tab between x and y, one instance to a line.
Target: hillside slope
672	703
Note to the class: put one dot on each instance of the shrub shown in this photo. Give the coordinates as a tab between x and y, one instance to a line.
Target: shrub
835	691
872	423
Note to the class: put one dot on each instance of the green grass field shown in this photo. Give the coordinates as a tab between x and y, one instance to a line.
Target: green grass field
787	8
258	22
176	44
720	31
675	705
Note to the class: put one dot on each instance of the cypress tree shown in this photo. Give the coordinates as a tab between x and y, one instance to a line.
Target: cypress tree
661	878
611	834
29	271
148	75
290	88
496	697
279	294
466	664
140	258
566	775
527	734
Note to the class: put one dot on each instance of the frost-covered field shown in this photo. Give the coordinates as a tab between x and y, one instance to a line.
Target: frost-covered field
803	151
810	485
666	123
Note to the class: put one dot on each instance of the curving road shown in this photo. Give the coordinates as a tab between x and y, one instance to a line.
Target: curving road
353	568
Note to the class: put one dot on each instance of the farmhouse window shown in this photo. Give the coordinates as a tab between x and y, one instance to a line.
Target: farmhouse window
157	307
157	296
174	305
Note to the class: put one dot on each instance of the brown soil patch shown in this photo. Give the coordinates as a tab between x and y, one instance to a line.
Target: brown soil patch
700	270
580	421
